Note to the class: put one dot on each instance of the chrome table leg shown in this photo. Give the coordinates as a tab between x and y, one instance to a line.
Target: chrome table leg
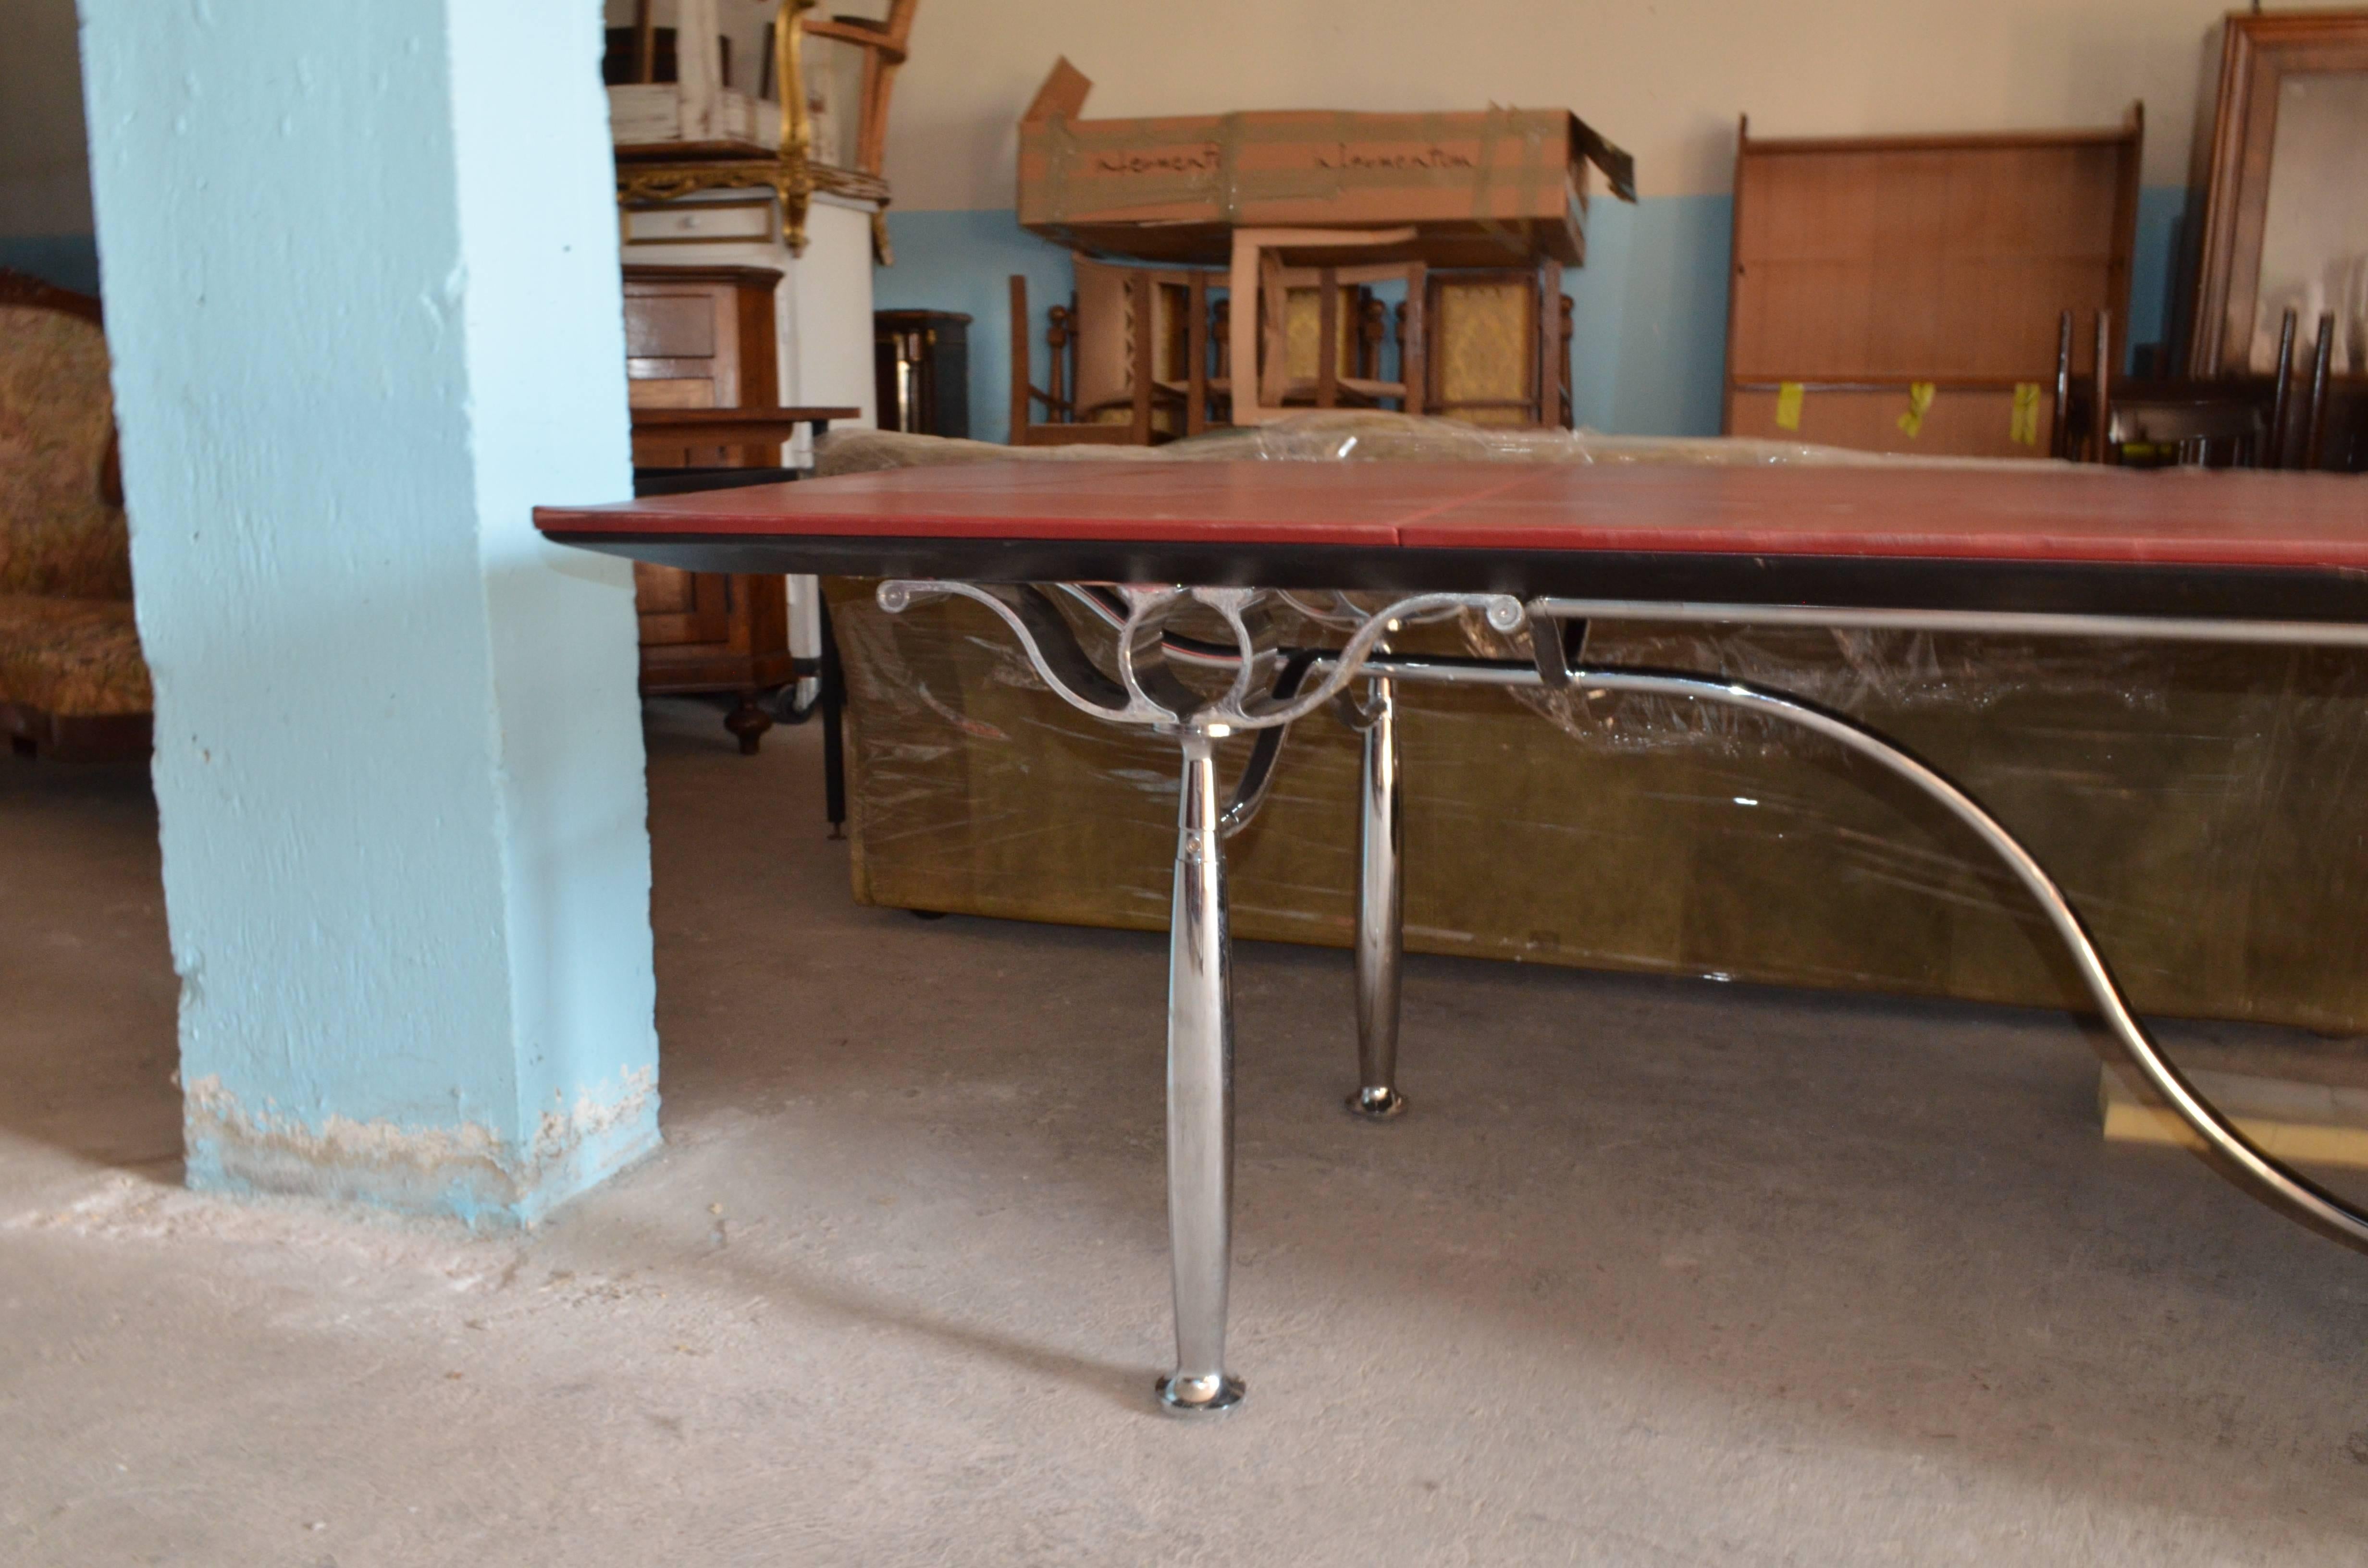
1200	1094
1266	694
1199	1021
1381	910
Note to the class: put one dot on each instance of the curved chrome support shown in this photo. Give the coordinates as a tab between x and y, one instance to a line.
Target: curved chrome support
1044	638
1200	1037
1148	692
1343	664
1143	654
1258	775
2268	1177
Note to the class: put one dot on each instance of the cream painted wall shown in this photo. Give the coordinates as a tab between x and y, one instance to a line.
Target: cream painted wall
1664	78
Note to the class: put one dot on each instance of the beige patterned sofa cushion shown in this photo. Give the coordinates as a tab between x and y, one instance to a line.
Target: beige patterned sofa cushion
57	536
73	658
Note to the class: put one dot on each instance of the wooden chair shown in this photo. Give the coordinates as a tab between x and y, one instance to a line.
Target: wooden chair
1268	266
2229	422
1138	327
885	45
1135	340
1470	376
1346	347
2314	448
1061	426
1453	349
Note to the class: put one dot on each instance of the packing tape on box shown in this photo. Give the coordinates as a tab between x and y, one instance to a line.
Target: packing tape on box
1166	162
2022	424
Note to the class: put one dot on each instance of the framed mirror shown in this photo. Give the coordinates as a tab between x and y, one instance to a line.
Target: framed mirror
2280	204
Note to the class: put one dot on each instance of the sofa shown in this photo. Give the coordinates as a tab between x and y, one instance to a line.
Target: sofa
72	684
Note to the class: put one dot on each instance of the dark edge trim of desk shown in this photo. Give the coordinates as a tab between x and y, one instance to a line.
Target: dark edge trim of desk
2220	593
698	481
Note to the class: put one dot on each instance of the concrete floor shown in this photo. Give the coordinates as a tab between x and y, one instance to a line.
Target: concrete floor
1655	1272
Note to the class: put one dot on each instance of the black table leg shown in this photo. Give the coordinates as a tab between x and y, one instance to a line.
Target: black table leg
833	698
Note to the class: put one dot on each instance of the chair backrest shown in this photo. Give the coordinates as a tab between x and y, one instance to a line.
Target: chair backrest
62	527
1484	364
1105	346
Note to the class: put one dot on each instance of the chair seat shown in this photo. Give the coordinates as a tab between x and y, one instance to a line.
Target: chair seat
71	658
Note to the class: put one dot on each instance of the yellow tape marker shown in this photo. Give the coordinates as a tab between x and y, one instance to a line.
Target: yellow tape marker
1920	404
1788	406
2022	424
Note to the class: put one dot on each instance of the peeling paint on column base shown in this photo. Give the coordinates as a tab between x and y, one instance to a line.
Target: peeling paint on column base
466	1171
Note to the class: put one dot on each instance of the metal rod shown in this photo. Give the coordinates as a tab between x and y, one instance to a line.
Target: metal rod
2057	439
2276	1183
2017	623
1199	1037
832	695
2100	412
2315	425
1381	909
2299	1195
1446	671
1200	1094
2283	394
2317	633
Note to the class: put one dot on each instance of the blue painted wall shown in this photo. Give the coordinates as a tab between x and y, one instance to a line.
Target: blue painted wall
2155	265
363	295
70	261
1650	308
963	261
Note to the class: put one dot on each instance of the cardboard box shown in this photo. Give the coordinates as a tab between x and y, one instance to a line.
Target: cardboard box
1492	188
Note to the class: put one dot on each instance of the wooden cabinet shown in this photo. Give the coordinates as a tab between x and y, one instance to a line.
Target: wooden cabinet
1904	293
921	361
702	337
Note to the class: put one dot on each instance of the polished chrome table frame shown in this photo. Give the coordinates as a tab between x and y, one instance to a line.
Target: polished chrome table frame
2275	559
1270	689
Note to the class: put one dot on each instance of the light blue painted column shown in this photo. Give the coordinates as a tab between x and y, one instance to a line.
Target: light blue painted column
362	291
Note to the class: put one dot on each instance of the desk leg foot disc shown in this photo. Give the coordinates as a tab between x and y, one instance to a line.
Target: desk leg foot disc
1376	1105
1208	1395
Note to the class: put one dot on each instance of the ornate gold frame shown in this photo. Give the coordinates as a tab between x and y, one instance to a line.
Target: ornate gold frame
790	173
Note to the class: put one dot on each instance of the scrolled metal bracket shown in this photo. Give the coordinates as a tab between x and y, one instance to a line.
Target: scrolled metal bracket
1145	690
1264	695
1051	648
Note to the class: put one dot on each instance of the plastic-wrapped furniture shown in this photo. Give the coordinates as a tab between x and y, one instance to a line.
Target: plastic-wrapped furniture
2181	791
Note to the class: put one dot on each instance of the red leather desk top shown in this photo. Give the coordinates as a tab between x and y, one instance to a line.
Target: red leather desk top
1971	534
2224	519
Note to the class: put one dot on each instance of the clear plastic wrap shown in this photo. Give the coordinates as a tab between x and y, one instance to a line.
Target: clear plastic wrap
2193	799
1362	436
